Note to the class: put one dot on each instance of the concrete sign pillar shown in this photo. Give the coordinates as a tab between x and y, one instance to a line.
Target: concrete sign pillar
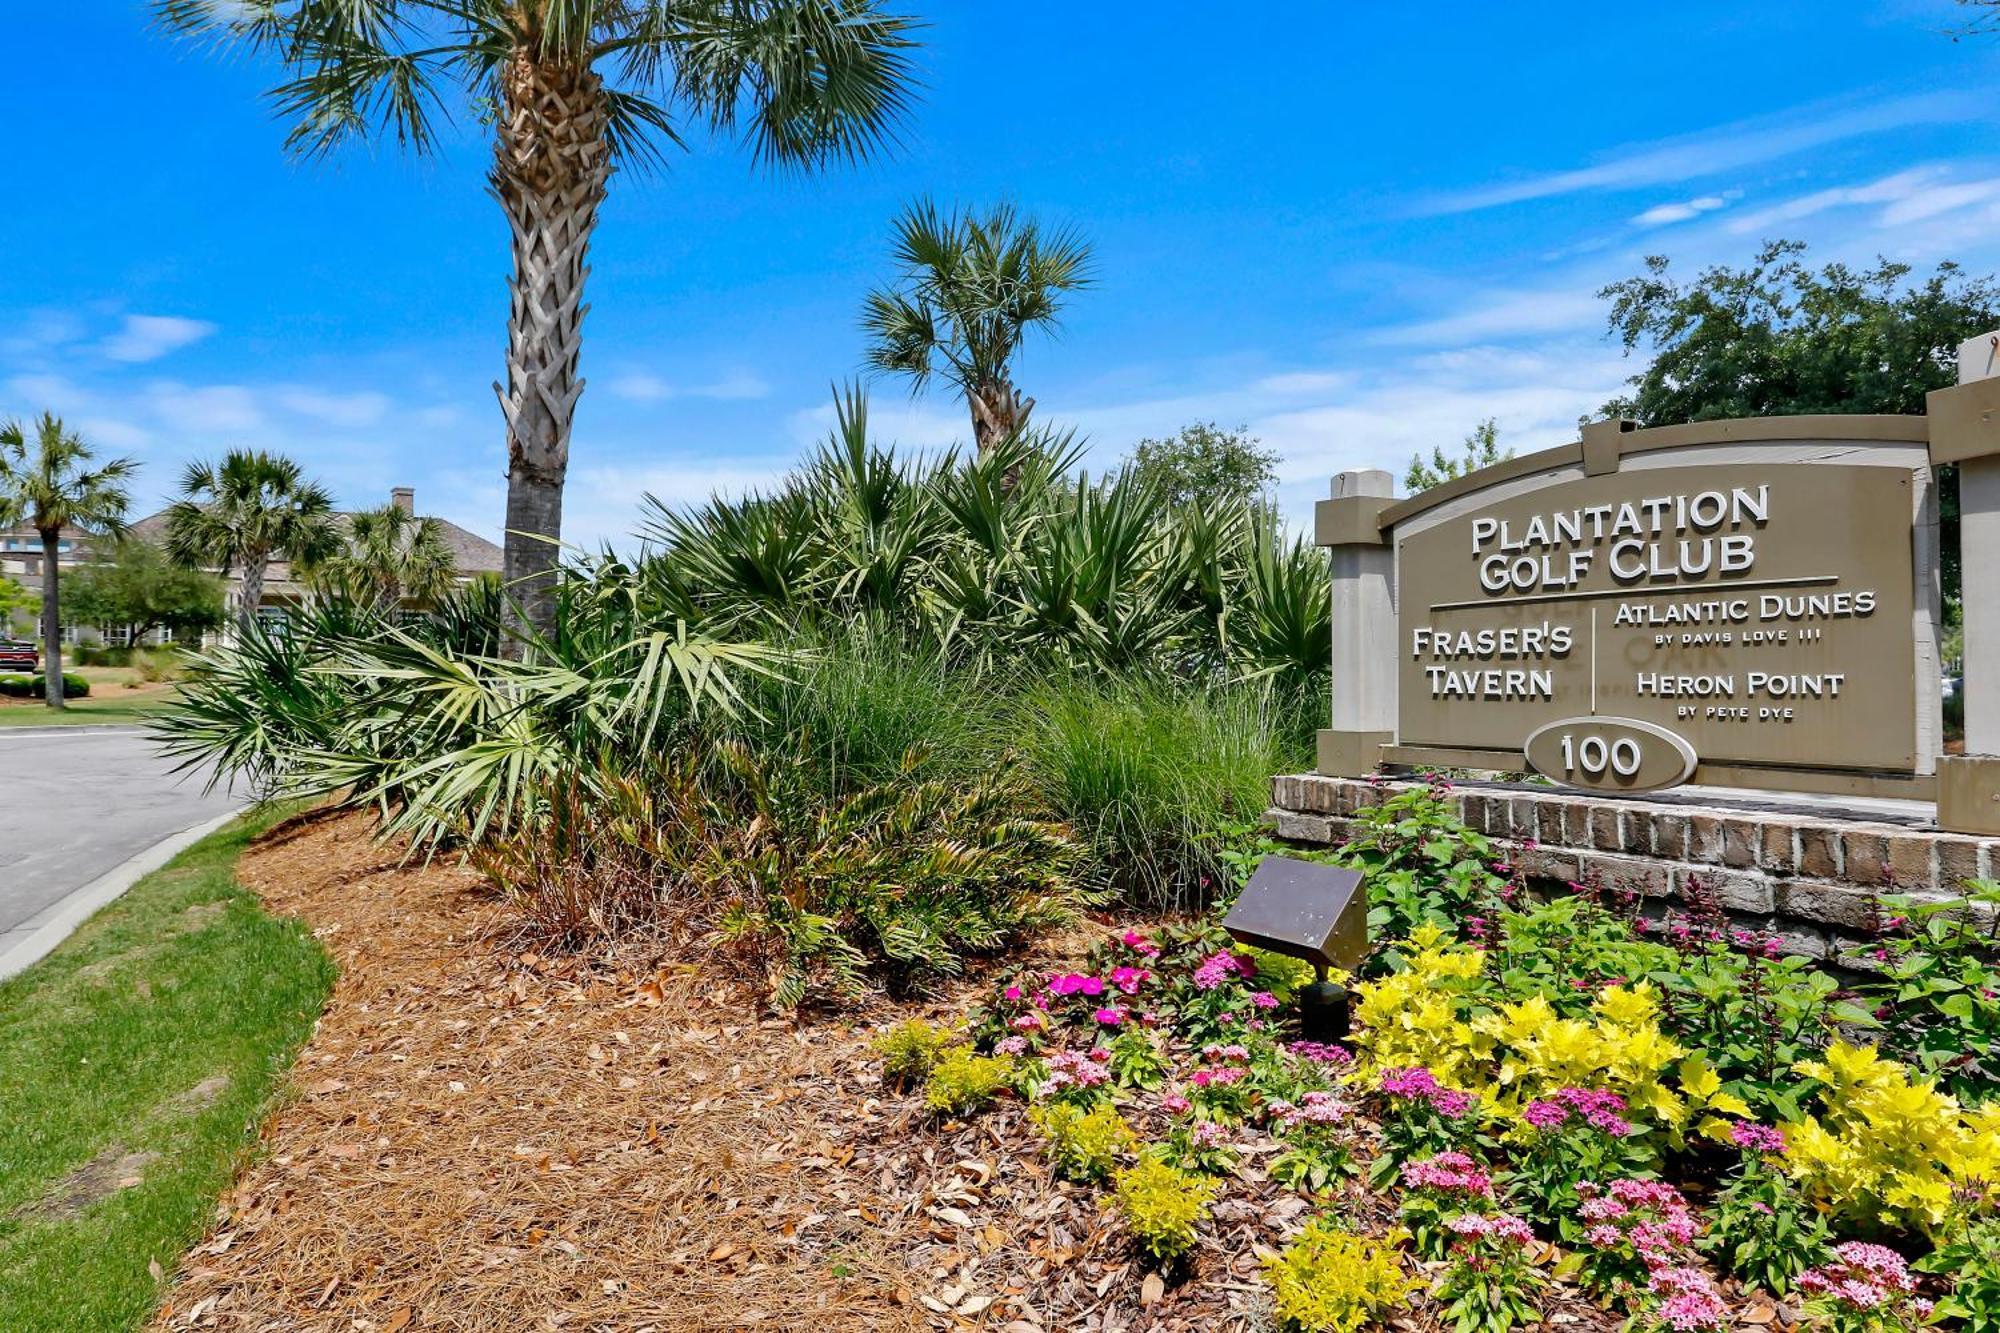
1364	623
1965	430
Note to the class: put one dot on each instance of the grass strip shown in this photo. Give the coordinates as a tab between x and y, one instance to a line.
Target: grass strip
136	1062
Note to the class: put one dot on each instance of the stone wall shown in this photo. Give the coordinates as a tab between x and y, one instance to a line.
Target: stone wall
1810	878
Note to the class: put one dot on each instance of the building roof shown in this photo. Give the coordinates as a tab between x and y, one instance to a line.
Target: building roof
471	553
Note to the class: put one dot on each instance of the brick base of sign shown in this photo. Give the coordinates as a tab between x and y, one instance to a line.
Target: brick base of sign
1811	880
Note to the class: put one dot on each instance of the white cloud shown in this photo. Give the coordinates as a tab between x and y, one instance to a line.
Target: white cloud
640	387
201	409
1304	381
335	409
1724	148
150	337
1661	215
1502	315
113	432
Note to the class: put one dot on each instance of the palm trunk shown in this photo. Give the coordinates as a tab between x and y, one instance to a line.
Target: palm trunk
52	681
998	410
549	174
251	592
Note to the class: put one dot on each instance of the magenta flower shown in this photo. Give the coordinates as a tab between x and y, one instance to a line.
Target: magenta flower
1263	999
1110	1016
1757	1138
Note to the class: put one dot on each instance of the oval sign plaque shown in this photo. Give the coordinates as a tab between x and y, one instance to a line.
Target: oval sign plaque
1609	754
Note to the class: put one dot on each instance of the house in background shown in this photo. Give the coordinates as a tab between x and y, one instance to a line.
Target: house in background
21	559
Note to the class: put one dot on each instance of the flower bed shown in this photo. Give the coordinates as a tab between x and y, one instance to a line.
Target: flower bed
1541	1103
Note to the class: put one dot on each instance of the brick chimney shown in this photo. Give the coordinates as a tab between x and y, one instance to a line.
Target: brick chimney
404	498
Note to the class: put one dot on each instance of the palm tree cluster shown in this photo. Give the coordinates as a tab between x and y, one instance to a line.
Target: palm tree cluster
1102	575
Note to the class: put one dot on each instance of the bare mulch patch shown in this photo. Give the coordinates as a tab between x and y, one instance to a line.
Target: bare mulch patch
496	1141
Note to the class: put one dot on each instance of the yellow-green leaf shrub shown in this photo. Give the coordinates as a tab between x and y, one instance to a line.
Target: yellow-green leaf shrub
1162	1206
910	1049
1083	1146
1887	1146
1329	1280
964	1081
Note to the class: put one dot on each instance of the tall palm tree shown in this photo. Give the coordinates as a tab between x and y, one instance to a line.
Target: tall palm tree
48	484
972	286
244	512
391	557
572	89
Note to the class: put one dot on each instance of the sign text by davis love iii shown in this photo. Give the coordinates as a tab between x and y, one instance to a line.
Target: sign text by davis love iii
1734	614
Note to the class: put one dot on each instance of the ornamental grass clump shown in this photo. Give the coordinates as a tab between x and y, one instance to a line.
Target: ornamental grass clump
1083	1146
1492	1283
1329	1280
1163	1207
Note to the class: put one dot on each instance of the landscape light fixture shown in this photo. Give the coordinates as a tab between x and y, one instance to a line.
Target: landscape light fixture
1307	910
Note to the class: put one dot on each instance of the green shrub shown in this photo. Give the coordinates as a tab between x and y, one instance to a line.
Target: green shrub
1162	1206
910	1050
1083	1146
905	878
1151	776
1329	1280
155	665
15	686
964	1081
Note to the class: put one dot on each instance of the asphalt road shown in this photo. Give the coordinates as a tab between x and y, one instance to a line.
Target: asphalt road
78	802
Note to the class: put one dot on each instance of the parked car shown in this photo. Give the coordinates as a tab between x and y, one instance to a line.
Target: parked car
18	656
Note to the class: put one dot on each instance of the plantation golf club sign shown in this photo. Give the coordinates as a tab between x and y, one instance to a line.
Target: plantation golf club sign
1644	609
1620	628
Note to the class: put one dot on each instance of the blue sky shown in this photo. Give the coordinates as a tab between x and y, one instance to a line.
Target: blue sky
1356	228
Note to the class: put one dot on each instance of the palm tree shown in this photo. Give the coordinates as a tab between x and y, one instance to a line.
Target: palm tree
972	286
48	485
391	557
573	89
244	512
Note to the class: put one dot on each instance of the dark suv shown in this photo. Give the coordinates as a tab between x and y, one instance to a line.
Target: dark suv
16	656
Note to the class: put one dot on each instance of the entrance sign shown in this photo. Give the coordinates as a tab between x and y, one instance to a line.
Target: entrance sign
1760	613
1739	603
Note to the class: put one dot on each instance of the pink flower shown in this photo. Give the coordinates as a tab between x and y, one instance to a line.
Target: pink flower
1012	992
1218	967
1011	1045
1690	1300
1110	1016
1263	999
1757	1138
1208	1134
1320	1052
1449	1173
1216	1053
1076	983
1027	1023
1129	979
1174	1104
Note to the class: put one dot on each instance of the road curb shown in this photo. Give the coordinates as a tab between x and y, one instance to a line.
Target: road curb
86	729
65	915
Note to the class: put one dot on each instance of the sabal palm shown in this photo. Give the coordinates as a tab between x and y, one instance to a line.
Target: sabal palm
972	287
390	557
245	511
573	89
47	483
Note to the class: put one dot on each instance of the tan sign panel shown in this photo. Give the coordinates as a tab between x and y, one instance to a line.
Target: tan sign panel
1762	613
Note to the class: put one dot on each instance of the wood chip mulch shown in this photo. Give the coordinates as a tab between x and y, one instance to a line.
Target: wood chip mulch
482	1139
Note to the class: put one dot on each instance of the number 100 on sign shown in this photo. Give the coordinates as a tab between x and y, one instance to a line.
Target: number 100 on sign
1610	754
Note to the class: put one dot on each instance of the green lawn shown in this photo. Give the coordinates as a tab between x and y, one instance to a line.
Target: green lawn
110	708
136	1062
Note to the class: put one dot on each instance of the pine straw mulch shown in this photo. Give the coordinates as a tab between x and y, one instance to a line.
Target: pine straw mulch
490	1140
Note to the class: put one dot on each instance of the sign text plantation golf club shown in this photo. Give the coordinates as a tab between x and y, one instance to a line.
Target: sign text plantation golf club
1622	628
